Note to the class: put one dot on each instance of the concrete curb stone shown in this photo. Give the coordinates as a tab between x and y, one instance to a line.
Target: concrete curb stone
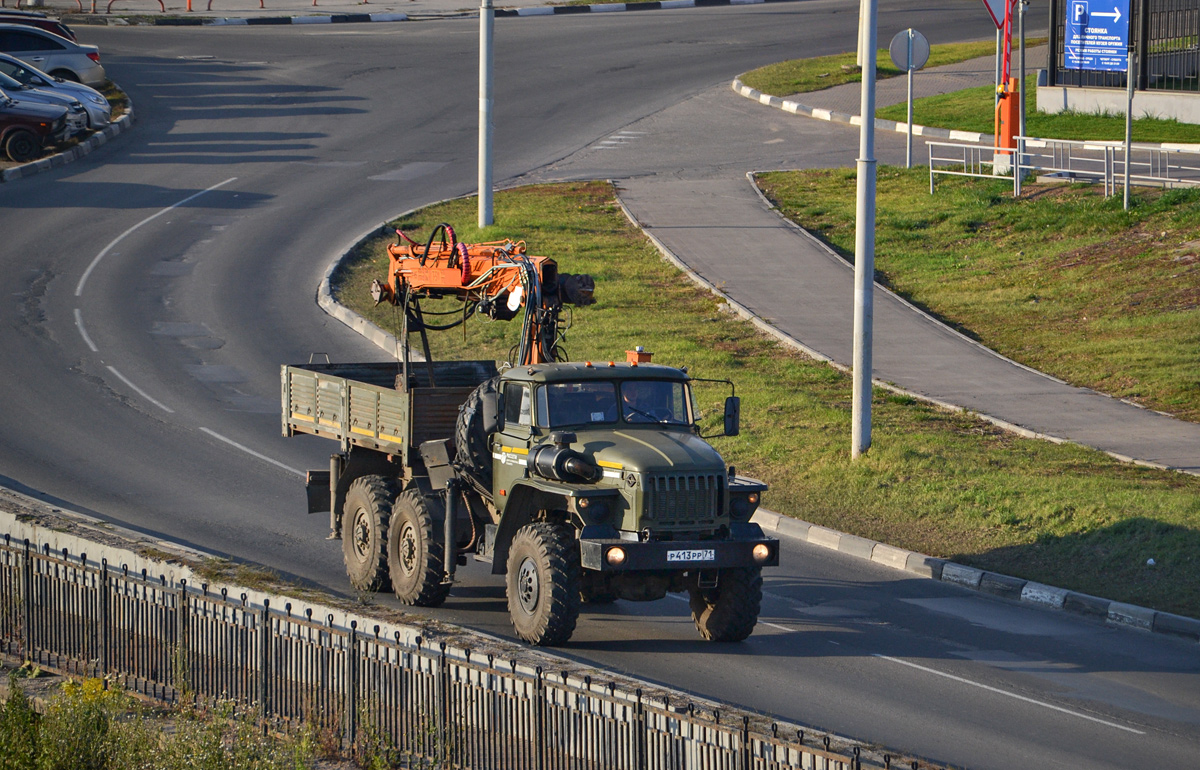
356	18
123	123
1016	589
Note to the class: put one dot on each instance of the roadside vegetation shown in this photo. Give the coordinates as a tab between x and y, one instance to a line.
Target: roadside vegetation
968	110
936	481
86	725
801	75
1061	279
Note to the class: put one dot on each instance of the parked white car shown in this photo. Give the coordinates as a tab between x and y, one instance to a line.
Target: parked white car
51	53
99	111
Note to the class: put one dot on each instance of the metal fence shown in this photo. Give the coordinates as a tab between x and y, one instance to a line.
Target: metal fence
181	643
1071	160
1165	34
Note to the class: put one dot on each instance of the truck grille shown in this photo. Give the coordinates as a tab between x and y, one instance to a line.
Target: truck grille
685	500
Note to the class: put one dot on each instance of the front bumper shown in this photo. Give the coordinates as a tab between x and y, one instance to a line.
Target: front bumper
658	555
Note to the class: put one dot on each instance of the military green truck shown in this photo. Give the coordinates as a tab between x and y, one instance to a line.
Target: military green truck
579	482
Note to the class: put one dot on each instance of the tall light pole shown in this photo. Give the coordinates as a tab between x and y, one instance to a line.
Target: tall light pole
864	241
487	20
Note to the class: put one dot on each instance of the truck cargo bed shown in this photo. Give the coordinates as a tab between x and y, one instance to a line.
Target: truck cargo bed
358	404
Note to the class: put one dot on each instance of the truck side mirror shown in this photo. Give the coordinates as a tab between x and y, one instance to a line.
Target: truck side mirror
733	416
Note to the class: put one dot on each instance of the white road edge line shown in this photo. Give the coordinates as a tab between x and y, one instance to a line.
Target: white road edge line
83	332
140	392
119	238
251	452
998	691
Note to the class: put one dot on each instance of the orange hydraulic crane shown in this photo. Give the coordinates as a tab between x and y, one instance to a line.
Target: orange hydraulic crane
496	279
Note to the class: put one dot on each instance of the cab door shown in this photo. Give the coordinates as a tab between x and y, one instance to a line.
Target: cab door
510	447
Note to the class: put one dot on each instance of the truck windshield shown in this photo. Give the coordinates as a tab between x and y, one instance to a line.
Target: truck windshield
577	403
658	401
639	402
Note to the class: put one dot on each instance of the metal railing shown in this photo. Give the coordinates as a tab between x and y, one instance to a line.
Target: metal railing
1073	160
181	643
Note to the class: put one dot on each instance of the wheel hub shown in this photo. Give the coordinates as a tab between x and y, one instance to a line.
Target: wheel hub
527	586
408	549
362	534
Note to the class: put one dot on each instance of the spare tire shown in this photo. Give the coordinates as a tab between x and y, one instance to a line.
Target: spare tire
478	418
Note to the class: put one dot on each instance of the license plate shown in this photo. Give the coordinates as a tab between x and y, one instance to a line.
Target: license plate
701	554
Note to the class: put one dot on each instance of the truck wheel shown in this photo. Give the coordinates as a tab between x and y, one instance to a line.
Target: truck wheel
729	612
415	550
365	517
22	147
543	583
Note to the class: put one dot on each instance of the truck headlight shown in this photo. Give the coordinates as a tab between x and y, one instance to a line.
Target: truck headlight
615	556
761	553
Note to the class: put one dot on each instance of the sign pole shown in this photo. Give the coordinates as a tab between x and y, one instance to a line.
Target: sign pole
487	18
908	148
1129	80
864	245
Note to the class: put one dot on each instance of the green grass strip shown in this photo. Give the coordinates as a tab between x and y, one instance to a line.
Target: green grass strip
939	482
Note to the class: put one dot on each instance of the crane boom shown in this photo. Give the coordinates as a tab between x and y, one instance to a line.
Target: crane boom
496	278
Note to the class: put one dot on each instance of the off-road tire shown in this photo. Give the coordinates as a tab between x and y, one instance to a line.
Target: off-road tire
365	517
543	583
416	550
472	449
22	146
729	612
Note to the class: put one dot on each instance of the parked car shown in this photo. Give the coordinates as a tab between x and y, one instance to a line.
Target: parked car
39	20
51	53
99	111
77	119
27	127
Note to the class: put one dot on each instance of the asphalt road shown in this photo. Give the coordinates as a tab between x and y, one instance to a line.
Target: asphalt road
145	333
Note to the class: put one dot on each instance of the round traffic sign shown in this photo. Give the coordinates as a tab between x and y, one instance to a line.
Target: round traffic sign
900	50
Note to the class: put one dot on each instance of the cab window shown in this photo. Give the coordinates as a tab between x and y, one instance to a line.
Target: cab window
580	403
518	405
647	401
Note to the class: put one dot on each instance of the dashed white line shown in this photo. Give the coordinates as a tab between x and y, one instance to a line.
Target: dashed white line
152	217
252	453
83	332
998	691
140	392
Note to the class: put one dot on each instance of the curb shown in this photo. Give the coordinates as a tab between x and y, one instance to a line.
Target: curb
796	108
1016	589
544	10
121	124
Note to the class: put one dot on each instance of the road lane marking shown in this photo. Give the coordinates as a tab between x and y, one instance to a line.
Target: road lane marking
152	217
83	332
251	452
140	392
998	691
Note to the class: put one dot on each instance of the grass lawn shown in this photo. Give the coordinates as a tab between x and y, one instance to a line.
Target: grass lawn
939	482
801	75
1062	280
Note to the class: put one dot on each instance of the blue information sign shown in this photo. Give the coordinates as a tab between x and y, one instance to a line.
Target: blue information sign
1097	35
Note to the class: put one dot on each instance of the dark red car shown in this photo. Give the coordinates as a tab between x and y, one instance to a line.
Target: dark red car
39	20
27	127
